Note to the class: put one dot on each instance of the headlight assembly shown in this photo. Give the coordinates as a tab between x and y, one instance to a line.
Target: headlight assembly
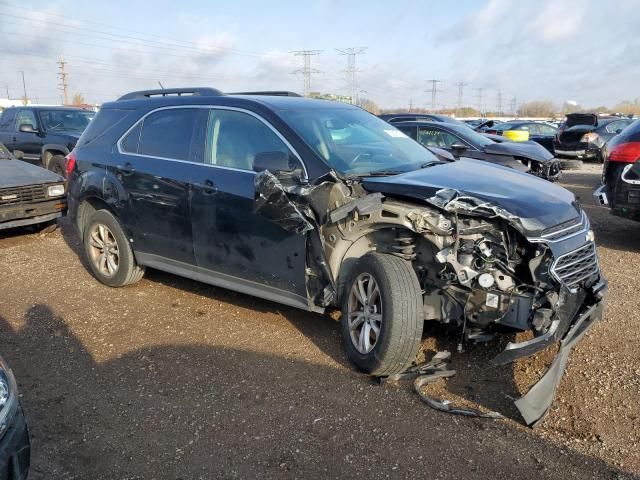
55	190
590	137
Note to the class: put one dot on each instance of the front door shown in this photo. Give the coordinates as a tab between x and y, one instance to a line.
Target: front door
243	249
155	165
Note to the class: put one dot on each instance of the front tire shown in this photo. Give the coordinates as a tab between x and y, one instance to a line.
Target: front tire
382	316
58	164
108	251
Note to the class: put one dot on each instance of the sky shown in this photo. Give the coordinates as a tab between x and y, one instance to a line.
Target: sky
561	50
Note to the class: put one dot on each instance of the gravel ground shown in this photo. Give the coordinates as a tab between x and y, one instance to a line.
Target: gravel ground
173	379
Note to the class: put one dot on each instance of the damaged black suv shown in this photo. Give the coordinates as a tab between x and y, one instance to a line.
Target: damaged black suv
317	205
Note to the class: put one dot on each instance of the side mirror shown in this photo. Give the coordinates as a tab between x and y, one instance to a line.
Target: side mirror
27	128
276	162
458	149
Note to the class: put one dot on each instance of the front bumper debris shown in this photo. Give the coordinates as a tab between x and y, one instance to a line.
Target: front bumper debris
536	402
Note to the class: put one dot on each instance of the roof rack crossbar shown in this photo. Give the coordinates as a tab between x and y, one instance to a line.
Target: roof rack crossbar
165	92
275	93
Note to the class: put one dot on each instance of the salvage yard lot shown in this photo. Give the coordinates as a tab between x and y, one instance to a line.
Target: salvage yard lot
175	379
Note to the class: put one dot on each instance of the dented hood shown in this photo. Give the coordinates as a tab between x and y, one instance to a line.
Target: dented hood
531	204
530	150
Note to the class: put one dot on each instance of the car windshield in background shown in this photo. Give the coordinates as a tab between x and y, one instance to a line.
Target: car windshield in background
66	119
355	142
471	135
505	126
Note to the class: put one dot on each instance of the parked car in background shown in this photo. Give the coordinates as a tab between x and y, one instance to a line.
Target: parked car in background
523	156
412	117
620	188
318	204
15	447
522	131
584	136
43	135
29	195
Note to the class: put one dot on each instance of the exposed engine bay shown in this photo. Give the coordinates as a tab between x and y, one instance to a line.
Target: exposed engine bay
478	272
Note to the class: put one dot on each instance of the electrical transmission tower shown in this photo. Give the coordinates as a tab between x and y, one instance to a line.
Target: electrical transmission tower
499	103
512	105
351	70
479	97
64	85
460	86
434	92
410	104
306	69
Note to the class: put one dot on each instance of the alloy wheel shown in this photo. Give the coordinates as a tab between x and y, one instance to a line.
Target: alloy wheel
364	313
104	251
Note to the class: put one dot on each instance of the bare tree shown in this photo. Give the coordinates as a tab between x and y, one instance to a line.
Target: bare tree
77	99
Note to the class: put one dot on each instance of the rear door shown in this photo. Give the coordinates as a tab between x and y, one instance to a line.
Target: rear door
155	163
30	144
233	244
7	123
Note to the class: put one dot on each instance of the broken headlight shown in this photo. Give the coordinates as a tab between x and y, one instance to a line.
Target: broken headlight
590	137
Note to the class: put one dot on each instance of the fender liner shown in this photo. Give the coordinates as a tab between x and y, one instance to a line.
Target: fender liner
52	146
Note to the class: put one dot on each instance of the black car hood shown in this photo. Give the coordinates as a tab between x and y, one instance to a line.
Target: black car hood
530	204
16	173
530	150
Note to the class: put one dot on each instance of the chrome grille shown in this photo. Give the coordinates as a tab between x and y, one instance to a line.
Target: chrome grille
567	229
28	194
577	266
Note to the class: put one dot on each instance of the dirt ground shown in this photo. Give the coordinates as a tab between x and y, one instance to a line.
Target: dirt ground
173	379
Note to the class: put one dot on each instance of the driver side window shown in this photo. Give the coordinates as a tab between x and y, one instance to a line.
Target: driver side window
434	137
26	117
235	138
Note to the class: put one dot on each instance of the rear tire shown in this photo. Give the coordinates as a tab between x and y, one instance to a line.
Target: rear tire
58	164
381	335
571	164
108	251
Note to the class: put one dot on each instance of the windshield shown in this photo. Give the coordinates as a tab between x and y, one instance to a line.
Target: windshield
66	119
354	142
505	126
471	135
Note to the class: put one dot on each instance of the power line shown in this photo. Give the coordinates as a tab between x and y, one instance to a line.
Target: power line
460	86
351	70
479	97
434	91
63	81
306	69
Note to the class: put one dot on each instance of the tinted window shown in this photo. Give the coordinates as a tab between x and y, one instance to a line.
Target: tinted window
26	117
546	129
613	127
410	131
434	137
129	143
65	120
168	133
234	139
7	119
104	121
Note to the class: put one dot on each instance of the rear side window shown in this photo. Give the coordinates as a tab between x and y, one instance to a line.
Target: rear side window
104	121
129	143
434	137
7	119
168	133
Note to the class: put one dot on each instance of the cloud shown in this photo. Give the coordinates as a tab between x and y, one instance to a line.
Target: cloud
559	20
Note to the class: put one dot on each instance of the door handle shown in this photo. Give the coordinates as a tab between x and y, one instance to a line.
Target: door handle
208	187
126	169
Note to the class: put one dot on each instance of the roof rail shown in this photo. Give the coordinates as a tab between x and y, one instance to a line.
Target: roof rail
165	92
275	93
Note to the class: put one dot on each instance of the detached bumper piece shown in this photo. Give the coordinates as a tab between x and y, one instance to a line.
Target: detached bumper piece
12	216
534	405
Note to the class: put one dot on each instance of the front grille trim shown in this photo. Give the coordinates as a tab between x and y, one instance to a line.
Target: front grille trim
23	194
586	262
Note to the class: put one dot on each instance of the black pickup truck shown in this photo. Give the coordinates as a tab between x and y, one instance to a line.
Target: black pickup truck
29	195
43	135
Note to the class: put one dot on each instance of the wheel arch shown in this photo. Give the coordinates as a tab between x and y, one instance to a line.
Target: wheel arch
50	150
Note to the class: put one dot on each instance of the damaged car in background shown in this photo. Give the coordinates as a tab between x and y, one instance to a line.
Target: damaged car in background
528	157
321	205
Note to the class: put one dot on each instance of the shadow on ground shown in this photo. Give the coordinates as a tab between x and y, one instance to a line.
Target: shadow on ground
212	412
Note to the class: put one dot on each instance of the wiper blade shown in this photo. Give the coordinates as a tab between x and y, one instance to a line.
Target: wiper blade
431	164
383	173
